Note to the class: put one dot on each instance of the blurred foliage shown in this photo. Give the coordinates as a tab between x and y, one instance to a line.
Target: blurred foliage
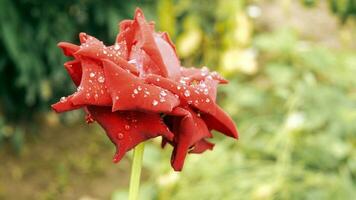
344	9
31	72
293	99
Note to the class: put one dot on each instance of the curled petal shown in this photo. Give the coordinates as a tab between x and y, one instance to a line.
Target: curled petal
190	130
68	48
126	129
95	49
169	57
131	93
201	146
143	62
162	54
74	69
147	42
92	89
166	37
64	105
198	100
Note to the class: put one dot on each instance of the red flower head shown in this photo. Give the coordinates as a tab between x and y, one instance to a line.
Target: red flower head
137	89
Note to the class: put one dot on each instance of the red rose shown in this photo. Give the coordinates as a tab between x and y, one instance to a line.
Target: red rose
137	89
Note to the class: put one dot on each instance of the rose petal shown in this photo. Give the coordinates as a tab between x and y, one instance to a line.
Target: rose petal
92	89
195	74
131	93
190	130
126	129
201	146
95	49
166	37
198	100
68	48
74	69
169	57
159	50
65	104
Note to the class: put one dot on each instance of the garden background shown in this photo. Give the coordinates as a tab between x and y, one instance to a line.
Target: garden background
292	92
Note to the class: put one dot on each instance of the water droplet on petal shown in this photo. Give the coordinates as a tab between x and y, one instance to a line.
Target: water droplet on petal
63	99
207	100
133	61
117	46
206	91
127	127
187	93
101	79
163	93
135	91
154	102
92	74
120	136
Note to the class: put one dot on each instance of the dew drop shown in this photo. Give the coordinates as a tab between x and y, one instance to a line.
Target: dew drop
163	93
187	93
101	79
117	46
182	81
120	136
135	91
127	127
63	99
206	91
133	61
154	102
207	100
92	74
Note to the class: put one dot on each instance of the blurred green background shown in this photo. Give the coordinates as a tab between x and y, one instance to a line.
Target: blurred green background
292	92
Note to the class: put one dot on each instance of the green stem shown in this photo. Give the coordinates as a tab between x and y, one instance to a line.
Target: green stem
136	171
